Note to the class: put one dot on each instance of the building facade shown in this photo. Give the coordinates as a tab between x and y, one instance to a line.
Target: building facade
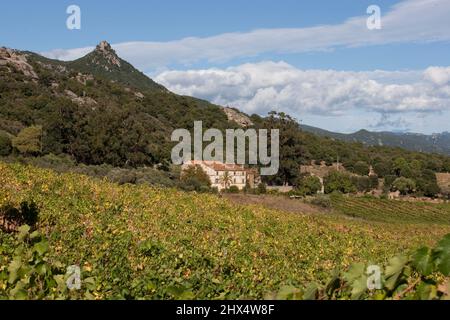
223	176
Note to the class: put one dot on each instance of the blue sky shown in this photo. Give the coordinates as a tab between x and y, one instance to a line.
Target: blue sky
232	44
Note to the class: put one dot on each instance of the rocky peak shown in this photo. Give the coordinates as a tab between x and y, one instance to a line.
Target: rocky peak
104	46
105	50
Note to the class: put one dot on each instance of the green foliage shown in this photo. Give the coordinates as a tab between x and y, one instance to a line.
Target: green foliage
404	185
194	178
362	184
361	168
261	189
5	144
309	185
400	167
27	271
339	181
382	168
323	201
233	189
29	141
403	278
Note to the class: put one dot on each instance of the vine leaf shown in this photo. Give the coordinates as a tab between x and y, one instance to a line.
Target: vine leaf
394	270
442	253
423	261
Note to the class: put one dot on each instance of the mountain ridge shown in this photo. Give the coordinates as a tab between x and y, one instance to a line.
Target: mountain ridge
434	143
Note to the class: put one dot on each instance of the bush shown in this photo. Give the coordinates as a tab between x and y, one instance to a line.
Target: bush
262	188
321	201
361	183
233	189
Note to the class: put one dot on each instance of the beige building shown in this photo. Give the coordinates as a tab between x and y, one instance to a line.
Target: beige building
224	175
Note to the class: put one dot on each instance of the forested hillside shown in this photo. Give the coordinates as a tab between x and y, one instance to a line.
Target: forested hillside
100	110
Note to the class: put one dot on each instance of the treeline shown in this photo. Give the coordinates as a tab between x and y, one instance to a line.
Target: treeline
402	170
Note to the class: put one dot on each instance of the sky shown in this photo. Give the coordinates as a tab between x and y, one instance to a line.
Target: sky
316	60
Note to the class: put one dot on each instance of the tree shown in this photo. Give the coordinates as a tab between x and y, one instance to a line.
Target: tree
309	185
361	183
361	168
338	181
382	168
29	141
194	178
5	144
226	180
404	185
400	166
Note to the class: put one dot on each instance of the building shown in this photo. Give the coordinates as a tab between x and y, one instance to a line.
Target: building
224	175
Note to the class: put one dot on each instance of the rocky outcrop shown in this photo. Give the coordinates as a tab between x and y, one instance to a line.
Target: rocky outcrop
238	117
80	100
18	60
107	52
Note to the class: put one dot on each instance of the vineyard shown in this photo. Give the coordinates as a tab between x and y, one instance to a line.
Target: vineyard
141	242
393	211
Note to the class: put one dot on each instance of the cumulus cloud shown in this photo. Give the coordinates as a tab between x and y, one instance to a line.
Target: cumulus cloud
408	21
438	75
261	87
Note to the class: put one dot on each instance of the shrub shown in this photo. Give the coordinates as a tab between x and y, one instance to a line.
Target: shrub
233	189
262	188
321	201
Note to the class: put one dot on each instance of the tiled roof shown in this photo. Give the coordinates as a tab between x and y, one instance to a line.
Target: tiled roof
217	166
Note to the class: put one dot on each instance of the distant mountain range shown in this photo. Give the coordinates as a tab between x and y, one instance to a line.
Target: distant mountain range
435	143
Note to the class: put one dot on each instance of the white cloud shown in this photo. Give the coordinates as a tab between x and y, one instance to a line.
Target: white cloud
438	75
408	21
261	87
398	97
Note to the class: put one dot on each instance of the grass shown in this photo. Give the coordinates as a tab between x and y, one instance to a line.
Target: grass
153	243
